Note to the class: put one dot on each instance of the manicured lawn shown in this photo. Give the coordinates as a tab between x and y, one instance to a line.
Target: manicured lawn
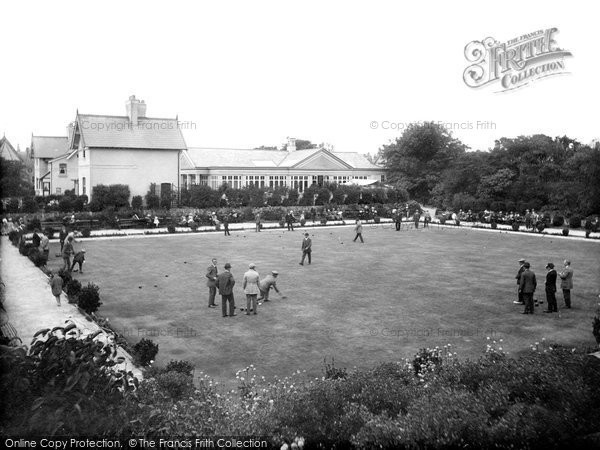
359	303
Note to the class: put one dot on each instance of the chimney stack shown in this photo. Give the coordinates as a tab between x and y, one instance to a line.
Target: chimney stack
135	109
291	145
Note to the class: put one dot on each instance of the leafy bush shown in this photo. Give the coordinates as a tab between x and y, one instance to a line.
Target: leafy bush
73	289
558	221
64	385
86	232
181	366
171	228
565	231
89	298
152	200
144	352
330	372
176	384
575	221
137	202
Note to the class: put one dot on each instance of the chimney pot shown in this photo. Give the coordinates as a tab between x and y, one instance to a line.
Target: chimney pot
291	145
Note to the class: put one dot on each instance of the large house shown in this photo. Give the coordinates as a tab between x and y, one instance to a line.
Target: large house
297	169
135	150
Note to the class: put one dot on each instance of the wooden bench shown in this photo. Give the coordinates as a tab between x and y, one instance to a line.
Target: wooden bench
133	223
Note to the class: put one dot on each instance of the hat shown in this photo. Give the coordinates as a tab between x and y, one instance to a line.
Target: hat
274	272
227	266
526	265
522	260
549	266
251	266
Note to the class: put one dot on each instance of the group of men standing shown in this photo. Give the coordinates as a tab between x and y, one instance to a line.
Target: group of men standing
252	286
527	285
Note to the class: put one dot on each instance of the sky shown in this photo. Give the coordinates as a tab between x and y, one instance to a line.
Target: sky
241	74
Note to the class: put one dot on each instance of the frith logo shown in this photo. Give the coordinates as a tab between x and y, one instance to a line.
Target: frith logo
514	63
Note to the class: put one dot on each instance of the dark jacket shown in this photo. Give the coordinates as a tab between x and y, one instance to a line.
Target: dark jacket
225	283
528	282
306	245
551	280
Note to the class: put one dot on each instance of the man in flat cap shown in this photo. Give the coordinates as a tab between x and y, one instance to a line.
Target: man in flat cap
551	276
265	286
211	282
250	286
519	301
225	283
306	248
566	282
527	287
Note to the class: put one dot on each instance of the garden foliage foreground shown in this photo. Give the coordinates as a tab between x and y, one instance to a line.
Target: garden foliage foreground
67	385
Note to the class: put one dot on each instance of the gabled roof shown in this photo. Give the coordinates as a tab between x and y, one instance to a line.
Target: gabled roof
314	158
8	152
118	132
48	146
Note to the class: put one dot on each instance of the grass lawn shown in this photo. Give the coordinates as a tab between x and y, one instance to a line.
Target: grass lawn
361	304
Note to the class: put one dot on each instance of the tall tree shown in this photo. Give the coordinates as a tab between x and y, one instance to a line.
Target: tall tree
418	158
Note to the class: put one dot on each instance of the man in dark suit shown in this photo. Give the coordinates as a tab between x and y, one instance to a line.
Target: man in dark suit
211	275
306	248
518	277
225	282
527	288
551	276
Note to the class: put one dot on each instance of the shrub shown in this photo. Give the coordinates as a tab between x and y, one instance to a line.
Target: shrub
176	384
596	327
558	221
494	225
86	232
180	366
137	202
144	352
330	372
575	221
33	224
515	226
73	289
29	205
89	298
565	231
152	200
64	385
36	257
171	228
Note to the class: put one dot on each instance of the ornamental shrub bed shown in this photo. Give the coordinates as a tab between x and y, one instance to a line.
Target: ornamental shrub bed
547	398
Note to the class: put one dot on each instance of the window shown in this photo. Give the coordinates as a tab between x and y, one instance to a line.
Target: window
382	178
203	180
62	170
58	191
192	180
83	190
184	181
